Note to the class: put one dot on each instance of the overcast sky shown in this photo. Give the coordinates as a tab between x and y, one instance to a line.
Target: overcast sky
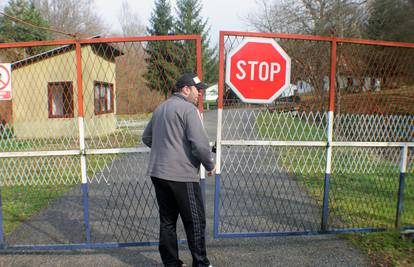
221	14
228	15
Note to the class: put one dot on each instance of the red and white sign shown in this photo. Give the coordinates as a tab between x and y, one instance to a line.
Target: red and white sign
5	81
258	70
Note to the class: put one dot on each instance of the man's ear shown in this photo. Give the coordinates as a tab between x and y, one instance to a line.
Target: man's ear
186	90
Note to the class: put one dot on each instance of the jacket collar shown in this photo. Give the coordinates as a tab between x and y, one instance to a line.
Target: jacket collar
180	96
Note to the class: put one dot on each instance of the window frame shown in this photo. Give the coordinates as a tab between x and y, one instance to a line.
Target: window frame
66	84
101	100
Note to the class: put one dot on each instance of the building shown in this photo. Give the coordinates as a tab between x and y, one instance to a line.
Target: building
45	94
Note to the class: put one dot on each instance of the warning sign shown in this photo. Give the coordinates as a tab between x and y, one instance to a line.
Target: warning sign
5	81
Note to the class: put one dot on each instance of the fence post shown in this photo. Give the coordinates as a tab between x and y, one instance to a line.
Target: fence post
218	140
1	222
332	83
200	109
85	189
403	167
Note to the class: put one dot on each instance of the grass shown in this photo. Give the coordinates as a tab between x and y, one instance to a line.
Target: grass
287	127
359	197
211	104
122	137
31	184
385	248
22	202
138	116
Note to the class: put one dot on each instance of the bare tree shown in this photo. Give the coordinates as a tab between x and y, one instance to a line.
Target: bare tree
318	17
72	16
130	21
271	17
133	96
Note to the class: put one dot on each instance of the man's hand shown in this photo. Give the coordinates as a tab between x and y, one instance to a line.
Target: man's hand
211	173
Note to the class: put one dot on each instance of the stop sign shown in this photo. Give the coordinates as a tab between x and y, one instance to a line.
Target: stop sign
258	70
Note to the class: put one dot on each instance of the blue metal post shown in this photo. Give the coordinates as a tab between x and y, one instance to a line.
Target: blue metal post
403	167
400	200
216	207
325	208
85	191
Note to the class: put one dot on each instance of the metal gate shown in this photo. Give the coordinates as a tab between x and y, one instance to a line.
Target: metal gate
332	154
72	163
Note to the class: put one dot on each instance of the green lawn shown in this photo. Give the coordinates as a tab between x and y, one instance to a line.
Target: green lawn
287	127
22	202
385	248
359	196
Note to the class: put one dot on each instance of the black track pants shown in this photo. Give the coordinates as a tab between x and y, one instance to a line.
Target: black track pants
184	199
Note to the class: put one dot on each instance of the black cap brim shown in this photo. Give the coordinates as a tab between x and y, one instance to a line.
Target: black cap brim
201	86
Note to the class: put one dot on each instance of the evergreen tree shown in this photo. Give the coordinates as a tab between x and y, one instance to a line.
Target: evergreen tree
11	31
391	20
162	68
189	21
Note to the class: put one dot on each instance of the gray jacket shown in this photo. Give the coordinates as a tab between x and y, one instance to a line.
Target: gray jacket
178	141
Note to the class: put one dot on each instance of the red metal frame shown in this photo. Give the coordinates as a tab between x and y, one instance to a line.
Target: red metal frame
140	39
100	40
317	38
37	43
79	79
332	81
199	70
195	37
221	70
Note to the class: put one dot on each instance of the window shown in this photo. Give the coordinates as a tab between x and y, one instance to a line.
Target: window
103	97
60	99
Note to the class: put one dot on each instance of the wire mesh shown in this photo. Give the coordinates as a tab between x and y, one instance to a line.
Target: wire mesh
373	103
124	82
41	200
364	187
42	112
374	93
277	189
300	112
271	189
122	201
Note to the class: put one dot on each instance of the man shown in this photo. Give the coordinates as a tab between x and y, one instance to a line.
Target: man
179	144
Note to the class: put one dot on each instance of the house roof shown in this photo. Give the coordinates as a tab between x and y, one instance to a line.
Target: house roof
104	50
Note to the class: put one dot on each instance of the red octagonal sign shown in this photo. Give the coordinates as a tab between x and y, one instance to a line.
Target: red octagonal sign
258	70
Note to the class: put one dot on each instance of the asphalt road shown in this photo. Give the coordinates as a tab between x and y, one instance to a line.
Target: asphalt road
122	209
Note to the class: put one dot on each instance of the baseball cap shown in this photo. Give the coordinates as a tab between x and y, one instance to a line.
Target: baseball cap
189	79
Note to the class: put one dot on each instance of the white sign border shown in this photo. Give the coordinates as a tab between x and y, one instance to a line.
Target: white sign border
8	88
279	49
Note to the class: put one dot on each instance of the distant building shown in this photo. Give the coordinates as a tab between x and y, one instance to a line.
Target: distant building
211	93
